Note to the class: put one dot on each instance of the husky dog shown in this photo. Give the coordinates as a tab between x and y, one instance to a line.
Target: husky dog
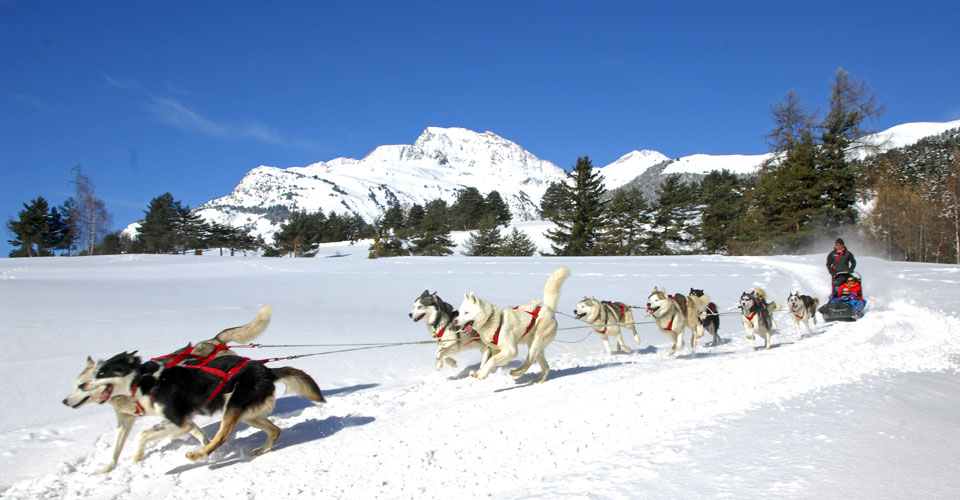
242	388
771	306
604	316
803	308
708	317
757	316
127	409
533	323
672	315
439	316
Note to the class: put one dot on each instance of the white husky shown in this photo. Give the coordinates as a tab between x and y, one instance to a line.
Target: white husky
607	318
127	409
533	323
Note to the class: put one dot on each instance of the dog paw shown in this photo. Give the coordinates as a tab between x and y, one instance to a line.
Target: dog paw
259	451
193	456
474	375
749	337
138	457
452	362
106	468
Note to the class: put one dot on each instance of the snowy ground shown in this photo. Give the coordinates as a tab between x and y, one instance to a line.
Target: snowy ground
856	410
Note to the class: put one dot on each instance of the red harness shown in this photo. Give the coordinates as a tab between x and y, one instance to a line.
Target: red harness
225	376
534	313
623	308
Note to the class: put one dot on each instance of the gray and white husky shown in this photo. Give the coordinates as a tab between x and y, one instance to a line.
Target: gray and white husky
607	318
757	315
127	409
803	308
438	316
533	323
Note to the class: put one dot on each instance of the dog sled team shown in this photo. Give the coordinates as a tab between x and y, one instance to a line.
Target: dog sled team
478	323
208	377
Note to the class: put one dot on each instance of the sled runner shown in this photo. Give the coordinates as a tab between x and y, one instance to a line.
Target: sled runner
846	301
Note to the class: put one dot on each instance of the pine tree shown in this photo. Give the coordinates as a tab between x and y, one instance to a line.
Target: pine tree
673	218
498	208
550	202
156	232
300	235
624	223
386	242
393	218
37	230
724	206
517	244
189	229
486	241
579	216
852	103
434	238
468	209
414	218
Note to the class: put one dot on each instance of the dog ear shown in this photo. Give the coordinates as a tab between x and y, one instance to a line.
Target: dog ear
90	361
474	298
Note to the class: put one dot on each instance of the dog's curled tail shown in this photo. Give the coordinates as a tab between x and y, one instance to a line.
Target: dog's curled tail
246	333
299	383
551	290
774	306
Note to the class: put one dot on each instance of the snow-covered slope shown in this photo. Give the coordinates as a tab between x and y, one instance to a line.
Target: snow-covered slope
629	166
854	410
905	134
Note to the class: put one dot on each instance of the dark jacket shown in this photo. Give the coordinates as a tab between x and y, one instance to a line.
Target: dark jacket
840	262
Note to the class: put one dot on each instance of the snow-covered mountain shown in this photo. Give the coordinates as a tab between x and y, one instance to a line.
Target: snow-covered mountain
443	161
629	166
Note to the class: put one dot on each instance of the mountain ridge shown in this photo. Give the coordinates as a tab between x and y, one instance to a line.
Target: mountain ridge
443	161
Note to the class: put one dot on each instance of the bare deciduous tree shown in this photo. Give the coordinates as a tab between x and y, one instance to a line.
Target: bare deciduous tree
89	217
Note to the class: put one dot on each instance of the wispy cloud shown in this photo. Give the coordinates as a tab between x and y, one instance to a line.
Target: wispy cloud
29	100
172	112
121	82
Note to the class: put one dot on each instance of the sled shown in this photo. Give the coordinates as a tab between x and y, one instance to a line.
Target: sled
844	307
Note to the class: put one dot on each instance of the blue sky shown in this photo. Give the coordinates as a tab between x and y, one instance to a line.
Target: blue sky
186	97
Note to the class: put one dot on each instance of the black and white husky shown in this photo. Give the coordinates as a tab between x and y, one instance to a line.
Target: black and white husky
708	317
127	409
803	308
606	319
243	389
533	323
438	316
